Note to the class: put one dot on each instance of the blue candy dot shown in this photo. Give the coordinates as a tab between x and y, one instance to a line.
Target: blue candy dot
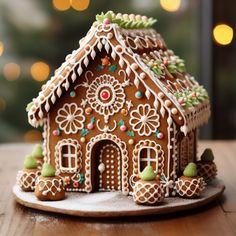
72	94
138	94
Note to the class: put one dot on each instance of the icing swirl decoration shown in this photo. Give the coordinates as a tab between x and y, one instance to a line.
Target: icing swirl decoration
106	96
144	120
70	118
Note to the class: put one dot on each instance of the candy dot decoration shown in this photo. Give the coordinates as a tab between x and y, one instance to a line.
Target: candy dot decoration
105	95
106	21
90	126
88	110
123	128
82	139
138	94
160	135
124	112
72	94
131	141
56	132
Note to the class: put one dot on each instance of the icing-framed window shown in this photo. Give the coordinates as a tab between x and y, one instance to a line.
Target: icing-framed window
148	152
148	156
68	156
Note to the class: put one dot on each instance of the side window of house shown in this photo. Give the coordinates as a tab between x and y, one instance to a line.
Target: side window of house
148	156
184	152
68	157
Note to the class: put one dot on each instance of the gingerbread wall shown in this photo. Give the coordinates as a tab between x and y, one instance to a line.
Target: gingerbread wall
85	102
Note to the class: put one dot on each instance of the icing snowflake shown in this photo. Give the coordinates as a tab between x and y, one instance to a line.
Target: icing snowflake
70	118
144	120
106	96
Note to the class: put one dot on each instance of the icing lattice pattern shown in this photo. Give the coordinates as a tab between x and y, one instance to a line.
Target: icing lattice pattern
50	186
207	170
27	180
190	188
150	193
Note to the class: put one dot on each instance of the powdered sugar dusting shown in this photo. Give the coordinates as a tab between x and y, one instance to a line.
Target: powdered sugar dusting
114	203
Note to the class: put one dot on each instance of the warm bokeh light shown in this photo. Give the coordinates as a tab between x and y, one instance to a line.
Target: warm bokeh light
61	5
11	71
223	34
170	5
33	136
1	48
2	104
80	5
40	71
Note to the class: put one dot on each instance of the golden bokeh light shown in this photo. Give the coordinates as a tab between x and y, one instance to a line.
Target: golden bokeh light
40	71
33	136
80	5
1	48
2	104
11	71
170	5
61	5
223	34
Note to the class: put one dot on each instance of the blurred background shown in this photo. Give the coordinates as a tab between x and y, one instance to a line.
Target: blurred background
36	35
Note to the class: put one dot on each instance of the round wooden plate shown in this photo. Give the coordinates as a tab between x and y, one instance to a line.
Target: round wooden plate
114	204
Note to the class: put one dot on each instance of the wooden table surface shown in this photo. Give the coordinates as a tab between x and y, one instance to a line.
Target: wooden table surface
217	218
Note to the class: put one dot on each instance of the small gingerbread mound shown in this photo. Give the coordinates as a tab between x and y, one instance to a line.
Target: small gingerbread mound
190	185
206	166
48	186
148	190
26	178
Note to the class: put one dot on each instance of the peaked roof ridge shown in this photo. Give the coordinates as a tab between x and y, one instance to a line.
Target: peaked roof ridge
105	36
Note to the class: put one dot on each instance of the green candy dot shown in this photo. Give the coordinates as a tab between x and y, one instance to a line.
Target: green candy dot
190	170
148	174
48	170
37	151
207	155
30	162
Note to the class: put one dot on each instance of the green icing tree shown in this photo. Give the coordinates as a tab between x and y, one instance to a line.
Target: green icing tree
48	170
190	170
207	155
37	151
30	162
148	174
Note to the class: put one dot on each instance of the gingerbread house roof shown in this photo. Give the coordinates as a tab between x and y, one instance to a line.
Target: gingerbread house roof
141	51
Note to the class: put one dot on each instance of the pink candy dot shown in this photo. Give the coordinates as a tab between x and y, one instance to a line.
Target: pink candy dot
90	126
123	128
160	135
106	21
55	132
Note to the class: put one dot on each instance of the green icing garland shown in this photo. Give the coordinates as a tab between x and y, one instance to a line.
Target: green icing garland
30	162
191	97
48	170
125	22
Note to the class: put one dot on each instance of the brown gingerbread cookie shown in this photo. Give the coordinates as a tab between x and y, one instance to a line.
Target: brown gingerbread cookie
48	186
26	178
190	185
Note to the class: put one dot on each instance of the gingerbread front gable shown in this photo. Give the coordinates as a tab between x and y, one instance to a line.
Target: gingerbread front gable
123	92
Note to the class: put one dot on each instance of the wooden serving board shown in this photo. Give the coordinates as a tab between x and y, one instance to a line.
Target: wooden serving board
114	204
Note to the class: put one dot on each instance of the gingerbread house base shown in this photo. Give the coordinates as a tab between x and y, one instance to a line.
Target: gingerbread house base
115	204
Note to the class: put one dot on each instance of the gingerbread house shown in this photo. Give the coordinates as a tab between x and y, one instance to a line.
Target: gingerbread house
118	103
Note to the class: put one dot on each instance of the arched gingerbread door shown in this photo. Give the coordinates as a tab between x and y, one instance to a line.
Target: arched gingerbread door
106	166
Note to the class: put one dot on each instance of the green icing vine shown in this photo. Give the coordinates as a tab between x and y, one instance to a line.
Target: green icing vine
191	97
130	133
100	67
82	178
112	68
127	21
175	64
121	122
155	65
84	132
